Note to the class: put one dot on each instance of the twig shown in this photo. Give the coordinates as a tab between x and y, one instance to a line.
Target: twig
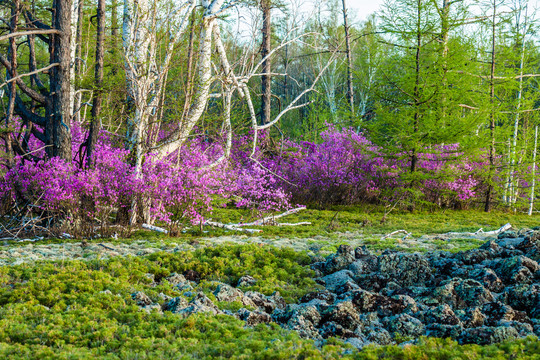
407	234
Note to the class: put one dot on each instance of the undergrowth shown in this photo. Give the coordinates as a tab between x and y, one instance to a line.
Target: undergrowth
84	310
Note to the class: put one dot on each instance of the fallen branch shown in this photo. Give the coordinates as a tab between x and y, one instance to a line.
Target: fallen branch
155	228
407	234
107	247
272	217
232	227
294	224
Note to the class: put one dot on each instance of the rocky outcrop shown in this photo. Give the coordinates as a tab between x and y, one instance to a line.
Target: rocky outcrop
480	296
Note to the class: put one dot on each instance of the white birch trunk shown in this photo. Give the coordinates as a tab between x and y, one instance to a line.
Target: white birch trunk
531	200
72	51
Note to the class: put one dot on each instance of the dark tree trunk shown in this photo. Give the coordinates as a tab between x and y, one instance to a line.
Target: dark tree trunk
98	74
266	79
60	120
13	73
350	88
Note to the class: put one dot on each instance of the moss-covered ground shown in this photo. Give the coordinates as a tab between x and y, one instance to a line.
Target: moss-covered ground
83	309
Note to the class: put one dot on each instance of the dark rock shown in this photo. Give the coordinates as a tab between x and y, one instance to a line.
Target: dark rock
246	280
507	235
366	301
405	325
405	269
488	278
266	303
496	311
362	252
192	275
471	317
141	298
444	330
460	294
254	317
442	314
339	261
199	304
363	266
524	297
372	282
379	336
487	335
330	329
175	279
517	269
174	305
343	313
333	281
323	295
346	287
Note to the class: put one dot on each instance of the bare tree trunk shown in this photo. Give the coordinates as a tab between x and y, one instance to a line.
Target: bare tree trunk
98	74
350	89
513	155
60	121
73	52
266	79
531	200
189	78
489	191
15	9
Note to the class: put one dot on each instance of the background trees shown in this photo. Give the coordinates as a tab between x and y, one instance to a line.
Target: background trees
418	77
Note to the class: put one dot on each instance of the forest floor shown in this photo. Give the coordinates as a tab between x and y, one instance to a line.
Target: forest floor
67	298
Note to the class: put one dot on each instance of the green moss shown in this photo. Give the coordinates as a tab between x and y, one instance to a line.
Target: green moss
84	310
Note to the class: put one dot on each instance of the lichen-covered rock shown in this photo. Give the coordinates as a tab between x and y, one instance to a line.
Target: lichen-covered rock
488	278
517	269
253	317
174	305
372	282
338	261
330	328
141	298
246	280
497	311
226	292
175	279
405	269
343	313
442	314
404	325
444	330
323	295
266	303
379	335
333	281
524	297
471	317
462	293
487	335
199	304
364	265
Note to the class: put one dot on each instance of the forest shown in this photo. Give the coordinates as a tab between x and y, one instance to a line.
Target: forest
232	179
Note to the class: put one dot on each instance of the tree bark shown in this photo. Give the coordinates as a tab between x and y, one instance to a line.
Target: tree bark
60	120
98	91
266	79
350	88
